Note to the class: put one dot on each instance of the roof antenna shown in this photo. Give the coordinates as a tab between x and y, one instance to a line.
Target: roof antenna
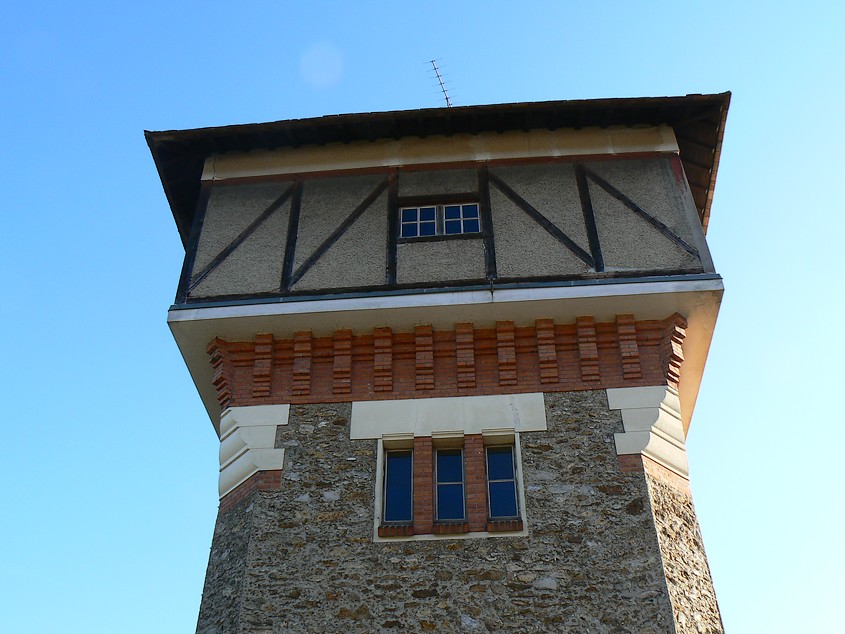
442	84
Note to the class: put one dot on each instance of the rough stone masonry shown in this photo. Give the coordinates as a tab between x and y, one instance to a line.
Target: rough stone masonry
608	550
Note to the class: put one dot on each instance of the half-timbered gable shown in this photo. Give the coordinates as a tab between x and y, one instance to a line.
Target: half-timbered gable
385	227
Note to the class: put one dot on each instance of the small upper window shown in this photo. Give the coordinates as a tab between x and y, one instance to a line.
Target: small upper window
439	220
450	485
501	483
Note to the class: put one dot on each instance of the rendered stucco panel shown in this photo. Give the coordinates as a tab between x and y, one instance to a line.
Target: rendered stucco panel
358	258
437	182
629	243
443	261
651	184
552	190
524	248
255	266
326	203
230	210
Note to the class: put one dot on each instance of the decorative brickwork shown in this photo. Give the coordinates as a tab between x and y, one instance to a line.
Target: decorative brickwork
396	530
450	528
674	350
464	362
424	357
588	348
342	370
630	463
506	351
261	481
383	360
222	372
302	364
476	482
546	352
501	526
423	485
626	329
465	355
262	365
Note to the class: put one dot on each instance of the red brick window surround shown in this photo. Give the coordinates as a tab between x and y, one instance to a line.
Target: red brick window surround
444	483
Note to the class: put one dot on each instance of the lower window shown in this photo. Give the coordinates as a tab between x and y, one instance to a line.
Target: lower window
470	485
398	487
502	500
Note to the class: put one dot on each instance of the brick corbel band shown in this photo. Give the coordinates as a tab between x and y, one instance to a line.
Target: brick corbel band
247	443
464	361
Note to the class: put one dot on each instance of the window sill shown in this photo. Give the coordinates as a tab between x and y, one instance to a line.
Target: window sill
396	530
450	528
477	235
504	526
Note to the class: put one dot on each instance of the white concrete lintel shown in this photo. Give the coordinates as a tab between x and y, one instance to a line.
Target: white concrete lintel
651	418
438	416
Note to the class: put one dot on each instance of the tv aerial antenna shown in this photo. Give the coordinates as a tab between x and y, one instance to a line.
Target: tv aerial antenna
441	82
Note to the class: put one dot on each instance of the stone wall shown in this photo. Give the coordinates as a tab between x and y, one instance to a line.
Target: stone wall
591	561
682	549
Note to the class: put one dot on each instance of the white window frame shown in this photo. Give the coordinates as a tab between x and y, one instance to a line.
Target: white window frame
440	220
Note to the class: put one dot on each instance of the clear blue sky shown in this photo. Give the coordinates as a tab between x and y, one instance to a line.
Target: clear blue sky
110	463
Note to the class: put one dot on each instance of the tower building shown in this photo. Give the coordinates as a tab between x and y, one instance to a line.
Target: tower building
452	356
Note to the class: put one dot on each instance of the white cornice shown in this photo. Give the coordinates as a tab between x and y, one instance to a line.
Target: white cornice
458	148
248	443
651	417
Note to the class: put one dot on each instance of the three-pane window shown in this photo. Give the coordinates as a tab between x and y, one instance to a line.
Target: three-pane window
439	220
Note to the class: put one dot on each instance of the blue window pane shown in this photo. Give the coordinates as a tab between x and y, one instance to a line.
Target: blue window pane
427	229
453	226
409	215
450	501
452	212
470	211
427	213
409	231
500	463
450	465
503	499
470	226
397	487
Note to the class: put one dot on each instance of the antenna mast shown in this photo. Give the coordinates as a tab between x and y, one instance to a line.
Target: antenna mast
442	84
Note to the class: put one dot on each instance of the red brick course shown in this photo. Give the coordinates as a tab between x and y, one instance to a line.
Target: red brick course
546	357
261	481
423	486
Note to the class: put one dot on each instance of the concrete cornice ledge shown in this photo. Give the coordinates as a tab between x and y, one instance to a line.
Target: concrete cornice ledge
651	418
247	443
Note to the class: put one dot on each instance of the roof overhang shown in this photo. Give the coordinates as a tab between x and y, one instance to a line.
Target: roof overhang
696	299
697	120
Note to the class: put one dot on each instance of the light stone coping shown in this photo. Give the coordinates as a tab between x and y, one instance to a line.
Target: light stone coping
458	414
651	417
439	149
247	443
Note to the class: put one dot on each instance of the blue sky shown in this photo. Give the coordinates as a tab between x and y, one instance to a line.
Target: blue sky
110	461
